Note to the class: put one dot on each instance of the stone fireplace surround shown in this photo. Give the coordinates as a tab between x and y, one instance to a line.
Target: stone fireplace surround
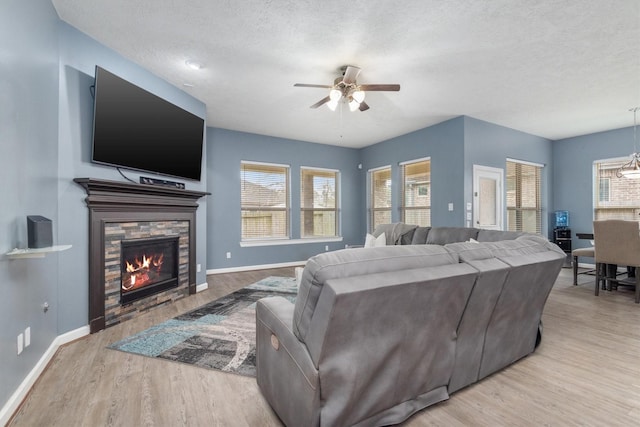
120	210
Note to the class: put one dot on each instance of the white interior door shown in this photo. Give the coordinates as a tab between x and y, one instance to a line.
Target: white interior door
488	197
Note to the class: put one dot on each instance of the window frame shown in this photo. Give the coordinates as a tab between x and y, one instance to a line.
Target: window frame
403	183
287	209
337	203
617	209
518	210
372	195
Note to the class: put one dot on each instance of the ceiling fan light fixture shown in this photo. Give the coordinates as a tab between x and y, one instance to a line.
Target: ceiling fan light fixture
358	96
353	105
333	104
335	95
631	169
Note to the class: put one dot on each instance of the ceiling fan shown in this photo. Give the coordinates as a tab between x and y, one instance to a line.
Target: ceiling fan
346	89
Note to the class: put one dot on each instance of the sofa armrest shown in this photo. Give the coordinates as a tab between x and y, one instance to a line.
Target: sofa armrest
285	372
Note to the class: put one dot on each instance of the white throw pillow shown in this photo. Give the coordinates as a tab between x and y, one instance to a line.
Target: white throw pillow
374	242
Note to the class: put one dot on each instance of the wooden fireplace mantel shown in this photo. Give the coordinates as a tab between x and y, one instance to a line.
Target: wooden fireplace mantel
101	191
113	201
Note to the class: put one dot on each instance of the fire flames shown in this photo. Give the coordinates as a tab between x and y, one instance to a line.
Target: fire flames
140	272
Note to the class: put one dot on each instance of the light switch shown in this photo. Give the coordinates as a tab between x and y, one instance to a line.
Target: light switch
450	206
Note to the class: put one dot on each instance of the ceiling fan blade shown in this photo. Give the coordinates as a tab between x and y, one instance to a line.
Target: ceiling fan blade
363	106
350	74
379	87
321	102
309	85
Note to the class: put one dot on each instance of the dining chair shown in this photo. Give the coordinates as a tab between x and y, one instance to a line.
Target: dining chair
617	242
582	253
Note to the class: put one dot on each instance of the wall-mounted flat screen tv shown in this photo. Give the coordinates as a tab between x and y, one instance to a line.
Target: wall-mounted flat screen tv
135	129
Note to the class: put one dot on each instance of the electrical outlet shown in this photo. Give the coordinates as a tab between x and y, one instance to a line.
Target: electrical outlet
199	268
27	336
228	255
326	248
20	343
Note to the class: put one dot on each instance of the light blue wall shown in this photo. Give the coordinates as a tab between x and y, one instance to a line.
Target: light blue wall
79	55
444	144
46	119
487	144
226	149
28	179
573	174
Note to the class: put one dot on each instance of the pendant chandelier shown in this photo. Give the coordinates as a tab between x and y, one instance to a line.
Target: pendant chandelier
631	169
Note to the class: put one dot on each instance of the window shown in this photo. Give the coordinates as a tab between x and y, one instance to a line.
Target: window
603	189
416	192
524	210
264	200
615	198
318	202
380	196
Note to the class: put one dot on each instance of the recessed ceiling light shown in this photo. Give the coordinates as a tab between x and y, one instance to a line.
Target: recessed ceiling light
194	65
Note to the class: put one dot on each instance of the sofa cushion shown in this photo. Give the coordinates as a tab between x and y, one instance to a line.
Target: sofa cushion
444	235
523	245
420	235
497	235
375	242
397	233
469	251
358	262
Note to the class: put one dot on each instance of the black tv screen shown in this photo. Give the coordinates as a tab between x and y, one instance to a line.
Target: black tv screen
135	129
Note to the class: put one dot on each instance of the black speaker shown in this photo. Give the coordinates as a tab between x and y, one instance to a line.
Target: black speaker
39	234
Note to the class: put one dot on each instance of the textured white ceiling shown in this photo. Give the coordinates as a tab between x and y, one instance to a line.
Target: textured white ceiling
553	68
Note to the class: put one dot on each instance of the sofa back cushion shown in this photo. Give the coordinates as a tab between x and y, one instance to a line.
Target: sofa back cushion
420	236
534	264
444	235
358	262
397	233
492	274
387	340
497	235
522	245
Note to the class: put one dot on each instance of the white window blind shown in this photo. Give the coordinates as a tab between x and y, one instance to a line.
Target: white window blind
380	209
524	206
416	192
264	200
318	202
615	198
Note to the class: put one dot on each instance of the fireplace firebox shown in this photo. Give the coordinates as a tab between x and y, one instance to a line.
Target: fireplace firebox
148	266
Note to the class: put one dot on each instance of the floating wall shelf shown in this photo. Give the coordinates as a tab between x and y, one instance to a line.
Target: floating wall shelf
36	253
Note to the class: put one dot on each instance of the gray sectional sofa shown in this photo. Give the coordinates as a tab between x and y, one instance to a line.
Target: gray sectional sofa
377	334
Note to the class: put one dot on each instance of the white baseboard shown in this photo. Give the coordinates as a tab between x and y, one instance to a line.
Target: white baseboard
202	287
23	389
255	267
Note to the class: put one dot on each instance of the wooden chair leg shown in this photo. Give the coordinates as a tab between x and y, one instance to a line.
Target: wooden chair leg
575	271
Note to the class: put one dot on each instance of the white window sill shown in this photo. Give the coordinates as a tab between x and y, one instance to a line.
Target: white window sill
279	242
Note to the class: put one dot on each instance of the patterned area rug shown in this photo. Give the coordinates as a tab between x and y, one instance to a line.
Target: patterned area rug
219	335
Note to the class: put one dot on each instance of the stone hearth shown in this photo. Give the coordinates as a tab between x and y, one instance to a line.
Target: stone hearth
120	211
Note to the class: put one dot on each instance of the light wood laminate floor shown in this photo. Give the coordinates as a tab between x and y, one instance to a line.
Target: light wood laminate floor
586	372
